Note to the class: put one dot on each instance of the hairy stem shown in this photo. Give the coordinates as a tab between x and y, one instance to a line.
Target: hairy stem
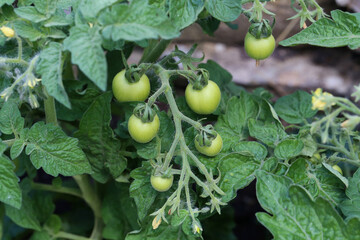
92	199
66	190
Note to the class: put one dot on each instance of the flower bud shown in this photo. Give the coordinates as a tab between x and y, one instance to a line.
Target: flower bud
8	32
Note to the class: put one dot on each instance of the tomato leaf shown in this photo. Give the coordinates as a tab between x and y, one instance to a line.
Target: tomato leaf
295	108
8	2
10	192
10	118
232	126
117	202
26	216
50	68
184	12
319	182
224	10
291	207
253	149
50	148
131	22
90	8
270	133
342	30
141	189
288	148
98	142
30	13
84	43
351	205
237	171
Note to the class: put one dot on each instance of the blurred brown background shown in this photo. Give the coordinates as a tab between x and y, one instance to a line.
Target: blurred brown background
336	70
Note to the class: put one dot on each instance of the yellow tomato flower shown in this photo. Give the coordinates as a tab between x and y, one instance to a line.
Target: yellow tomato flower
319	99
8	32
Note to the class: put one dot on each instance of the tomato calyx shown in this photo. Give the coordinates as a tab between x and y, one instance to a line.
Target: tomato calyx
206	136
144	112
201	80
261	29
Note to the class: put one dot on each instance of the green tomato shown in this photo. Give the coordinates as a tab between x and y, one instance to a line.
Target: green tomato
337	168
259	49
125	91
143	132
213	149
161	184
204	101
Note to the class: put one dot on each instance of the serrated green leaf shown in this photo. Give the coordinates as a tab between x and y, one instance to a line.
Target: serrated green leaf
232	126
8	2
26	216
40	235
46	7
10	192
295	108
179	217
351	205
292	207
60	18
98	142
141	189
184	12
10	118
54	223
90	8
318	181
50	148
237	171
254	149
336	173
50	68
84	43
115	203
34	31
17	148
288	148
342	30
119	24
270	133
80	100
30	13
224	10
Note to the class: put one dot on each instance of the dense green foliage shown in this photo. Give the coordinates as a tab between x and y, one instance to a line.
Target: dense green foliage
64	138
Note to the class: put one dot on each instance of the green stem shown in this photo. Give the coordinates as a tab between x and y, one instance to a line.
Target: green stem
9	142
47	187
351	161
92	199
2	214
70	236
20	48
153	97
152	53
50	110
14	61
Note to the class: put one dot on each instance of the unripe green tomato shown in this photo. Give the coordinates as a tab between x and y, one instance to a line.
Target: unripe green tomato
337	168
204	101
125	91
161	184
213	149
143	132
259	49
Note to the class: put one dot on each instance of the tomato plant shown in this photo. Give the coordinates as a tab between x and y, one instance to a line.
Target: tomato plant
70	170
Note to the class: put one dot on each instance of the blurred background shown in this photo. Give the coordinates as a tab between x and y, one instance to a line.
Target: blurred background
304	67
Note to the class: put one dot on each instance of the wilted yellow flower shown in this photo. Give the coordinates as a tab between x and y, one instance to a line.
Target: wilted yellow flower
31	82
196	228
320	99
156	222
8	32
